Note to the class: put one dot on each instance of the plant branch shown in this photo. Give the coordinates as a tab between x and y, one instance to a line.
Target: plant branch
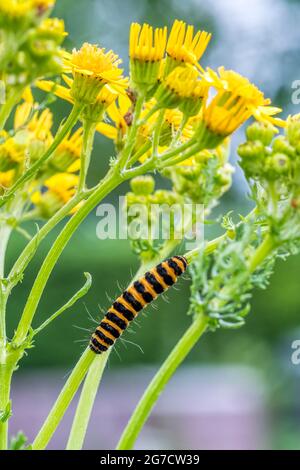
65	397
83	291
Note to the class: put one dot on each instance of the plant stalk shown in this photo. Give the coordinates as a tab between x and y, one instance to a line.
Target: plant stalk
179	353
64	399
86	402
156	386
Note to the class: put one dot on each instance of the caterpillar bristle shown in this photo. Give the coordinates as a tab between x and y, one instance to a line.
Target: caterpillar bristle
134	299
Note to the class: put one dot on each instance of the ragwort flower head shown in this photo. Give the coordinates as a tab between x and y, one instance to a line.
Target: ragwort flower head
92	68
183	89
146	51
233	82
184	46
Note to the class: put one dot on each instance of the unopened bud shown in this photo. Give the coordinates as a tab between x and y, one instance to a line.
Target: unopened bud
261	131
293	130
277	165
142	185
281	145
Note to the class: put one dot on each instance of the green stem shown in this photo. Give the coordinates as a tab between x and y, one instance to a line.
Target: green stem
6	372
60	406
5	232
179	353
126	153
262	252
106	186
175	160
66	128
31	247
94	375
89	129
156	386
86	402
157	132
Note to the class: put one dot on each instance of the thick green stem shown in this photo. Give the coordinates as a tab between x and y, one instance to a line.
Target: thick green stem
60	406
89	129
6	372
94	375
107	185
86	402
8	361
156	386
5	232
66	128
262	252
31	247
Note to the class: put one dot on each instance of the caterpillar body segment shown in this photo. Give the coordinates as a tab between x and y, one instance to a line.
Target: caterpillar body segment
141	293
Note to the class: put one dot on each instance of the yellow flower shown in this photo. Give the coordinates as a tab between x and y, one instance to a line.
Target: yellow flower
53	27
40	126
233	82
147	44
61	187
6	180
146	50
173	118
117	113
20	9
221	117
67	155
92	68
11	154
185	47
182	88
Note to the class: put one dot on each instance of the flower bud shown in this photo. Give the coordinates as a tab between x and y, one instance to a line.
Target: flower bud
293	130
277	165
281	145
142	185
263	132
252	155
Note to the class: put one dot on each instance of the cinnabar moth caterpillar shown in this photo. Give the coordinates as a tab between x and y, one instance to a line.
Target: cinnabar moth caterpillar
134	299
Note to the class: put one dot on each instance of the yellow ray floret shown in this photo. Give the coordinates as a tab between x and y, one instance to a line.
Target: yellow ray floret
6	179
223	115
146	43
233	82
94	62
185	82
185	46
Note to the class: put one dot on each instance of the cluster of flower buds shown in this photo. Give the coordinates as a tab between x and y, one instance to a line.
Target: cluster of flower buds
271	162
30	43
270	158
205	177
146	211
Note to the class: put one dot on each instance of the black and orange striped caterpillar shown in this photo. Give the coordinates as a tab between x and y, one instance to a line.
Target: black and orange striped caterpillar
134	299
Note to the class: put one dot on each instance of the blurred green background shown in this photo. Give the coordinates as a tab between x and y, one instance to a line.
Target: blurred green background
260	39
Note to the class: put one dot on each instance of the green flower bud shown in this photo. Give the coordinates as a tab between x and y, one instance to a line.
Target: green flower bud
251	150
293	130
281	145
142	185
263	132
277	165
253	157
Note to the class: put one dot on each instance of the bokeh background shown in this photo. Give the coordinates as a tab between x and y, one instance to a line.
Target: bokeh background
237	389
